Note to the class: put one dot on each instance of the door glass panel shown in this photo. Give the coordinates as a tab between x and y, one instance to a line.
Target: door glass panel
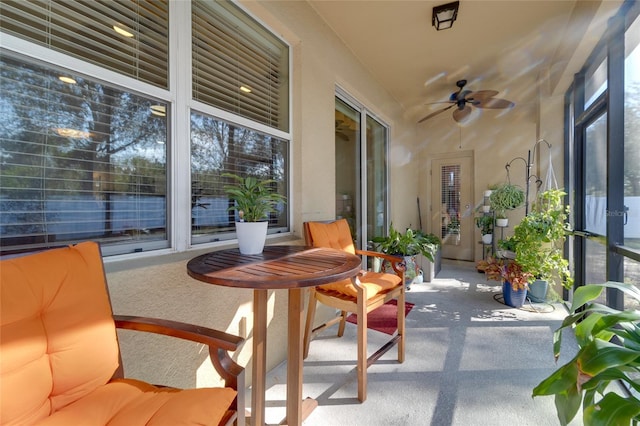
631	276
376	178
596	176
595	83
450	207
347	128
632	137
595	257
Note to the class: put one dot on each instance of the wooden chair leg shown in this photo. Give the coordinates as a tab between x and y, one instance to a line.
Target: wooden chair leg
343	322
311	313
362	344
401	325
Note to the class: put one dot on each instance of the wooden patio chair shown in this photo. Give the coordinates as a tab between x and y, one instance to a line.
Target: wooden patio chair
360	296
61	361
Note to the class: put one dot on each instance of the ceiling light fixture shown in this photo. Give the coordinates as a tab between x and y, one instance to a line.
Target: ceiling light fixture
443	16
122	31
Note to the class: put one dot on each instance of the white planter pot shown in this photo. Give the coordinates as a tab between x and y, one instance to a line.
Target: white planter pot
486	209
487	238
487	193
502	223
251	236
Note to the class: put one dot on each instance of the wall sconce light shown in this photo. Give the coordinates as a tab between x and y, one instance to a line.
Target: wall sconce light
443	16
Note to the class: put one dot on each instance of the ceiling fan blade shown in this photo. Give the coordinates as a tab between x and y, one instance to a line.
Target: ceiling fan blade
433	114
482	95
460	114
495	103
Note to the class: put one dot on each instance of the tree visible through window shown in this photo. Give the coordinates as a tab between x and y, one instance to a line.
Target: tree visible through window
80	160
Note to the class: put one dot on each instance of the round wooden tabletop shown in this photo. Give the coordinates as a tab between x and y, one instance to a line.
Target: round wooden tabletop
277	267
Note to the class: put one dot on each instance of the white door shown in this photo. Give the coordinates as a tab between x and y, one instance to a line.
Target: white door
452	205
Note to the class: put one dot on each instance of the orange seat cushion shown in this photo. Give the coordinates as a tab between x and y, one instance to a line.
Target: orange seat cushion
337	235
374	282
128	402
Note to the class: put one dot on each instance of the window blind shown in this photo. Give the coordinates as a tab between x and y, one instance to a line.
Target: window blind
80	160
239	66
86	29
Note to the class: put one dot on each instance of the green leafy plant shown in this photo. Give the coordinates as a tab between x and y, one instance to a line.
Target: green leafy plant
409	243
539	237
485	223
254	198
609	342
506	197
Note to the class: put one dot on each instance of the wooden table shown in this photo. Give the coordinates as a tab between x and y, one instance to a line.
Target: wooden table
277	267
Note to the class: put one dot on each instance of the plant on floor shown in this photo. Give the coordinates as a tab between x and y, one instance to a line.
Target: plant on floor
254	198
410	243
609	342
504	270
540	236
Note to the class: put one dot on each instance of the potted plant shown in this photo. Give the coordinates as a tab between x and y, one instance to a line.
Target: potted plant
253	200
609	342
539	239
408	245
515	280
507	248
506	197
485	223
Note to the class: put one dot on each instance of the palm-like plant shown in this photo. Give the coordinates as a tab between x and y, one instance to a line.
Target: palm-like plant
609	342
254	198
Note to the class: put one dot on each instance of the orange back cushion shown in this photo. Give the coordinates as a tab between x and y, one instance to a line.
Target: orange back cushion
57	336
335	235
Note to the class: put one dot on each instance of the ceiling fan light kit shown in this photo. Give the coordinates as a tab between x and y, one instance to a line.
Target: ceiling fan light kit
464	99
444	15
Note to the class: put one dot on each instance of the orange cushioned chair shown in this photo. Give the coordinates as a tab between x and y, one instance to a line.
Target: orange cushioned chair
369	292
60	359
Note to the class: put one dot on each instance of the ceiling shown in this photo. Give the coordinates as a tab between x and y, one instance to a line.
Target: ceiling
515	47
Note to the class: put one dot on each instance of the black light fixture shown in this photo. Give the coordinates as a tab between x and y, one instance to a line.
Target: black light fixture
443	16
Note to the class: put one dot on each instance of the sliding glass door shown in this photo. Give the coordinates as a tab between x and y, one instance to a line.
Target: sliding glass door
361	170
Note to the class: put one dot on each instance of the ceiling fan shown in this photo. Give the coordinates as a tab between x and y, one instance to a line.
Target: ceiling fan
463	98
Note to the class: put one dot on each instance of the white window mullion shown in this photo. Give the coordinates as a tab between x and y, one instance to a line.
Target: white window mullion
180	83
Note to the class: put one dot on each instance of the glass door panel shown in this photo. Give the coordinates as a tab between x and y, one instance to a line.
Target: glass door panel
595	179
348	182
632	137
376	209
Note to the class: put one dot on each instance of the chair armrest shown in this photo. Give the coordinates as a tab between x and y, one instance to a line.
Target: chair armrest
219	342
397	263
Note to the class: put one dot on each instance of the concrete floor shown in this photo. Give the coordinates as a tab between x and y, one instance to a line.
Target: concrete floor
470	360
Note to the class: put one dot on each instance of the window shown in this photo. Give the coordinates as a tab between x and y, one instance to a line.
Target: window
80	160
218	147
85	140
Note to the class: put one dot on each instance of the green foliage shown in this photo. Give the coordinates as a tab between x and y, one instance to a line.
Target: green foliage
586	379
409	243
506	197
538	239
254	197
485	223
